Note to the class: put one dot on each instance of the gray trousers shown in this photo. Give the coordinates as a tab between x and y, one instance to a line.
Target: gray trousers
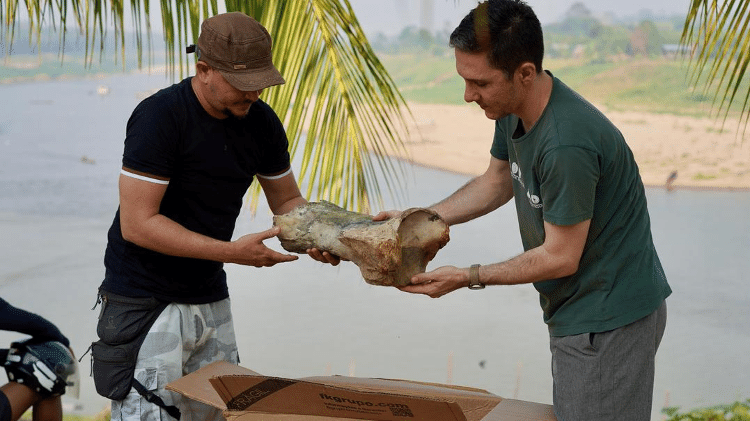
607	375
184	338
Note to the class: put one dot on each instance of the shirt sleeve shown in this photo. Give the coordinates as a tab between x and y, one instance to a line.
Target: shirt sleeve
275	155
568	179
39	328
149	145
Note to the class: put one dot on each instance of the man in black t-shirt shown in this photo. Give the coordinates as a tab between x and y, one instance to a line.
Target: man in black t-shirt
191	152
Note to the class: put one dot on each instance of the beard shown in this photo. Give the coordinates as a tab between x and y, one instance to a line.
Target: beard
231	114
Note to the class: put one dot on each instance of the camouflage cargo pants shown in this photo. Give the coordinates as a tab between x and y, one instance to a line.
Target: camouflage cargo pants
184	338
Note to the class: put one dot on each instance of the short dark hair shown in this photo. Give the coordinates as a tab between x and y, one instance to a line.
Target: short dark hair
508	30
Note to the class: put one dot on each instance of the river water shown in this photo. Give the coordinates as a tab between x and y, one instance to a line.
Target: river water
60	150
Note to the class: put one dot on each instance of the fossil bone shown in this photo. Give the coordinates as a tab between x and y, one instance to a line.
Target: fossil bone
387	252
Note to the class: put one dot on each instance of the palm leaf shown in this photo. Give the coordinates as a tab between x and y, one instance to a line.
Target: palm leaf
342	111
720	34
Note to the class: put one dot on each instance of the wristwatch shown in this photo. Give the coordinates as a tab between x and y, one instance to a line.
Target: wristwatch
474	277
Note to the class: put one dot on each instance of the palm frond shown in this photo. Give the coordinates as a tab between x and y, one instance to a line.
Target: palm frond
341	109
338	97
719	36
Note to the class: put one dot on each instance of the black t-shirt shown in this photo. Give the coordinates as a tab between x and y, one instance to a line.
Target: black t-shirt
210	164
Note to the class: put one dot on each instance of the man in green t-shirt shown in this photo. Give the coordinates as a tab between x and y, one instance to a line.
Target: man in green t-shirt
582	214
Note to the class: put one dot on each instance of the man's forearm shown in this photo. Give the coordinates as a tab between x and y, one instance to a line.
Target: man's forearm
558	256
480	196
287	206
532	266
163	235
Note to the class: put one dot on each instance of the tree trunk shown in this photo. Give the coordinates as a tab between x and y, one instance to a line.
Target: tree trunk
386	252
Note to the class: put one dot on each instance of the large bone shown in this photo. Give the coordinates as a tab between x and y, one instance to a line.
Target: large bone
387	252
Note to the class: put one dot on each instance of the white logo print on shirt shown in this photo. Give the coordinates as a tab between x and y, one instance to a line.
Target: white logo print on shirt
534	200
515	172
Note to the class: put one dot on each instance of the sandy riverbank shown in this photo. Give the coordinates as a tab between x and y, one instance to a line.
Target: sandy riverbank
458	137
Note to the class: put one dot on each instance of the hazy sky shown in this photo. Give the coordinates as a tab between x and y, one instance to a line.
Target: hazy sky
390	16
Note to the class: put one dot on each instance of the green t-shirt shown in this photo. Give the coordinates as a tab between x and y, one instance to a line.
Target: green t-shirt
574	165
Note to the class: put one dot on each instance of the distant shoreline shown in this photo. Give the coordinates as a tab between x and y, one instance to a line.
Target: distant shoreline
648	186
63	77
457	138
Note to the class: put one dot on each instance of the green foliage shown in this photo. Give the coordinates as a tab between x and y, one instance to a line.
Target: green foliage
718	31
611	41
646	39
412	40
655	85
651	85
425	77
578	34
585	36
738	411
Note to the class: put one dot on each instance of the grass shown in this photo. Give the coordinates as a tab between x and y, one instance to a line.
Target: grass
655	85
738	411
651	85
701	176
426	78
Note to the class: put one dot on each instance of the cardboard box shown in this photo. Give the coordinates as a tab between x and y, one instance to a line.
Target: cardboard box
244	395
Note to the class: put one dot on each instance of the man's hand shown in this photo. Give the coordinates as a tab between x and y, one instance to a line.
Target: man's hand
438	282
249	250
386	215
324	256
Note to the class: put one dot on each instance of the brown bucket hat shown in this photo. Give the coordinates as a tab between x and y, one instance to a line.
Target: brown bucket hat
240	49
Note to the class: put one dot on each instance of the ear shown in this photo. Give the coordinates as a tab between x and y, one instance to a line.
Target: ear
202	71
526	72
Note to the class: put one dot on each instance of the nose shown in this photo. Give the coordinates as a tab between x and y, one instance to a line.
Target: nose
470	95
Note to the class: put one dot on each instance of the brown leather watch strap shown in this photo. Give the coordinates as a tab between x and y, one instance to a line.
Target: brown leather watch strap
474	277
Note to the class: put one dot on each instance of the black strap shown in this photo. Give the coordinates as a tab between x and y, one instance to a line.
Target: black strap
156	400
150	316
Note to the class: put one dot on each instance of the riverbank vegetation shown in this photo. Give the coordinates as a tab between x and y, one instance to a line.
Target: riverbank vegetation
738	411
637	64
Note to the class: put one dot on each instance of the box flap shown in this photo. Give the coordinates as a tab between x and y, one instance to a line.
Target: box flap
376	384
196	385
252	416
475	403
270	395
515	410
341	398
